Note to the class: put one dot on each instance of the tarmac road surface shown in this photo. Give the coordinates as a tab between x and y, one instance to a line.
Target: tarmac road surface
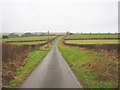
52	72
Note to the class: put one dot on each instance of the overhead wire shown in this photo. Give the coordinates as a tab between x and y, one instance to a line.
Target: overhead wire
38	16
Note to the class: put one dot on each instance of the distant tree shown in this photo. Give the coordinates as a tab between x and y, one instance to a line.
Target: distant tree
27	35
44	34
12	35
71	33
67	32
4	36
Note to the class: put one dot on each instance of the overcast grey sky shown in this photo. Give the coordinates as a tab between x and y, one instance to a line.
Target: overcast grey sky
59	15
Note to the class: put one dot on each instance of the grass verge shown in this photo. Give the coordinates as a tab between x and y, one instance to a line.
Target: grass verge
93	70
29	64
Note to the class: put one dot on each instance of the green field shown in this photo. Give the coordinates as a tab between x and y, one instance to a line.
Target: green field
90	36
29	38
30	43
91	41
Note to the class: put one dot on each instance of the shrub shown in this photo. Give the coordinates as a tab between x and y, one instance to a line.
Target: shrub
4	36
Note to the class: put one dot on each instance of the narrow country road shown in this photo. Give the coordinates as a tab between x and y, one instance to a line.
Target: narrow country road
52	72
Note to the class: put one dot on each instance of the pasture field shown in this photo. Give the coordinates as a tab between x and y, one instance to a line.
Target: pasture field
91	41
29	43
92	36
32	38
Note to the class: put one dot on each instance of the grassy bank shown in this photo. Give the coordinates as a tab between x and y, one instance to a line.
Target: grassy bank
93	69
27	66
